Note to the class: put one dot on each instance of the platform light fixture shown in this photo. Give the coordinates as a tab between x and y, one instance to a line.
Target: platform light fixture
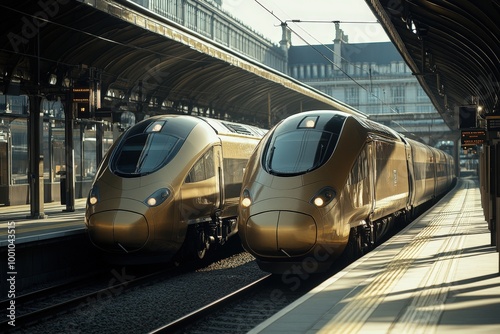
52	79
66	82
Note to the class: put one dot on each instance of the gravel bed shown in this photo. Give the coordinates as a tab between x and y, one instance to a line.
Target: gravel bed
142	309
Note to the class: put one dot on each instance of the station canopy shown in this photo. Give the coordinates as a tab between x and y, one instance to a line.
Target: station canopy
141	62
452	47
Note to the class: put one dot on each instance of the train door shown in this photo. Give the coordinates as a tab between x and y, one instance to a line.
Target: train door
201	195
411	175
219	177
360	185
372	176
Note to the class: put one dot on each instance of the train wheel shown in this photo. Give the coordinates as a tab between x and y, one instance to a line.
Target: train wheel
202	244
201	253
195	246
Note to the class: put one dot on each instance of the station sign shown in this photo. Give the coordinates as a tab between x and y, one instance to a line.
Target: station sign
473	137
493	122
81	95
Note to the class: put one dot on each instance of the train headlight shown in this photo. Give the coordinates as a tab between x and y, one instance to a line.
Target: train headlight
323	197
246	200
157	197
94	195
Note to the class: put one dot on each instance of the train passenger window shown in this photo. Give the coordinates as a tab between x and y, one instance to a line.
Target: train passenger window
203	169
359	171
233	176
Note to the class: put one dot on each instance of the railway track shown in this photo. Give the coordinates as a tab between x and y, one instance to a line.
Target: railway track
84	302
52	301
181	324
245	308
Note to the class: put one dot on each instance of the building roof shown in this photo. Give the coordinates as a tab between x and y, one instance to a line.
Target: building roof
378	52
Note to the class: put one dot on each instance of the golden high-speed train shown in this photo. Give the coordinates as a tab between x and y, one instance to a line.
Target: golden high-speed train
169	186
321	183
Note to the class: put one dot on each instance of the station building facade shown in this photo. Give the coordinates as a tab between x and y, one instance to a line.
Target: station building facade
371	77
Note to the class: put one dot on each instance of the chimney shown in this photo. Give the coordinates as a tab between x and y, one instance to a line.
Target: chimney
340	38
286	39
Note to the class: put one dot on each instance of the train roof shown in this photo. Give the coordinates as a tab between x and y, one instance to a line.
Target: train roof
378	128
369	125
231	128
222	127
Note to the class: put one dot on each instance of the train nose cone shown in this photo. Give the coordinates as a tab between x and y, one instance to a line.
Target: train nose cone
281	233
118	230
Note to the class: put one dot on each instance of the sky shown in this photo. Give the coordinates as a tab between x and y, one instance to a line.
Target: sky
264	16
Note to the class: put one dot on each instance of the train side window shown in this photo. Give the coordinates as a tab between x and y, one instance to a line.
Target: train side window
360	169
203	169
233	176
208	159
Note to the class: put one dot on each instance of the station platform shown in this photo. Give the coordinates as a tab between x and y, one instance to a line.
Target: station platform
438	275
56	222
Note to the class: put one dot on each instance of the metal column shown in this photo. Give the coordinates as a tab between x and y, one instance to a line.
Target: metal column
69	153
496	211
36	180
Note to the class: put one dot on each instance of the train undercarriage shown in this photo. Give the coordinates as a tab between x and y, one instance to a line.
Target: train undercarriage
203	236
366	236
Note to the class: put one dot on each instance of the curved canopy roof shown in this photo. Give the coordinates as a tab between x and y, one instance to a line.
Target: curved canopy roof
452	46
142	59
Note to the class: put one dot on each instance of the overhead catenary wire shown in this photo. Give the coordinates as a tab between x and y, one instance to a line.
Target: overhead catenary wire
285	22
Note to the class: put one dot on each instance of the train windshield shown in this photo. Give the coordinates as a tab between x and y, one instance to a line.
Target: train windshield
303	148
146	148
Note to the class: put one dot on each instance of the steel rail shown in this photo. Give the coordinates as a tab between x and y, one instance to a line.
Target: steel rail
189	319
